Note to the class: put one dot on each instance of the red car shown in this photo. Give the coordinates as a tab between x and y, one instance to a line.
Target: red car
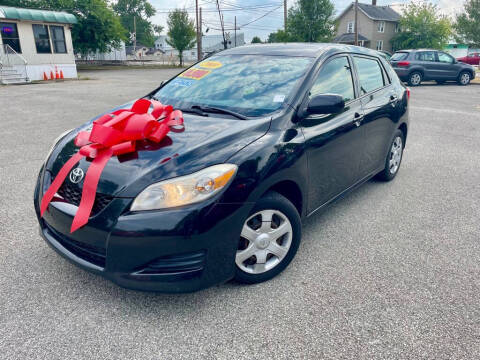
472	59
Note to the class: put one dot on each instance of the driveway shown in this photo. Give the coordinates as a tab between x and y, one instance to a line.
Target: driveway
392	271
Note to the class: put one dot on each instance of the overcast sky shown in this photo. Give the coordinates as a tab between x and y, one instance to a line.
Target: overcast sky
249	10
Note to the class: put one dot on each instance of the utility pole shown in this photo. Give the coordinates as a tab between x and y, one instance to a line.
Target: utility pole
356	22
135	36
221	23
199	54
285	15
199	45
235	31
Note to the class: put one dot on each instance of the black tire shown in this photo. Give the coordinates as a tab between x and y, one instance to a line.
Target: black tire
464	78
386	174
274	201
412	78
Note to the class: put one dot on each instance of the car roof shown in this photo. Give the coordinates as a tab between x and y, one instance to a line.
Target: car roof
413	50
296	49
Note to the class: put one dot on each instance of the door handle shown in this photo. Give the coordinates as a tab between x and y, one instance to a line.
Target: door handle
358	119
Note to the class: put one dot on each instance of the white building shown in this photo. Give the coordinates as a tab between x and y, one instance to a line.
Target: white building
210	44
35	43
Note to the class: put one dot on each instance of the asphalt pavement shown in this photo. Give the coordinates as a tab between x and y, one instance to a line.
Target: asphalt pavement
392	271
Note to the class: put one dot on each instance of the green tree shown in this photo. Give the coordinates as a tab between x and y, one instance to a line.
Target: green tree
467	25
308	21
278	36
256	40
311	21
98	27
422	26
136	13
181	32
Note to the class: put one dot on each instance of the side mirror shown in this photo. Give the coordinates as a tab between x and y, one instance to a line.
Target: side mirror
326	104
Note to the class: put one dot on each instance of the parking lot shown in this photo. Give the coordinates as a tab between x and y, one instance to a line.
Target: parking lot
392	271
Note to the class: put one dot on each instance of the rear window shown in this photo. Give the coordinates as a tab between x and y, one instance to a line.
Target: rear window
370	74
399	56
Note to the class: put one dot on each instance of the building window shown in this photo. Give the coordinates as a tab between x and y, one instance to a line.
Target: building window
58	39
351	27
380	45
10	36
42	39
397	28
381	26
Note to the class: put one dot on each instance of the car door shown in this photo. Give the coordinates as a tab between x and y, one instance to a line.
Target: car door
426	59
379	99
446	67
334	142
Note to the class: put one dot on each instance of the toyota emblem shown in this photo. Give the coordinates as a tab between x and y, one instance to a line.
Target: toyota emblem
76	175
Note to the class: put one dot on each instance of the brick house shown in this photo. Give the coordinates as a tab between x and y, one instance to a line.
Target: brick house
377	25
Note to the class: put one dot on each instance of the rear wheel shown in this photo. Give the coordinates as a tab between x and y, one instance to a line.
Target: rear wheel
464	78
269	240
394	158
415	79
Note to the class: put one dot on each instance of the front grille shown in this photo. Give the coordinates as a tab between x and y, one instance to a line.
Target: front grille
73	194
192	263
93	254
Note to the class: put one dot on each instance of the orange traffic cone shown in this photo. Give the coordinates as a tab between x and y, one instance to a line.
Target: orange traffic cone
45	78
51	75
61	74
57	76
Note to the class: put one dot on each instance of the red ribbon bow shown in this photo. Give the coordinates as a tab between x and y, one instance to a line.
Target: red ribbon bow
112	134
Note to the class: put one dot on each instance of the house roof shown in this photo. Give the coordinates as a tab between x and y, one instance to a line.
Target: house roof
374	12
14	13
349	38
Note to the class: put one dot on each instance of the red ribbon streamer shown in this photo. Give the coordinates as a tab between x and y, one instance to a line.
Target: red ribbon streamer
111	135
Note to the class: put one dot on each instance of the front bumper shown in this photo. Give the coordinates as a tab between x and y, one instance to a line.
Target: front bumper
177	250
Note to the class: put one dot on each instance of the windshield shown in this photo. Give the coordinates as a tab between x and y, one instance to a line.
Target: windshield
251	85
399	56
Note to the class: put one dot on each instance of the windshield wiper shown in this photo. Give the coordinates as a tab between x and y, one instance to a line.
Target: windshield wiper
212	109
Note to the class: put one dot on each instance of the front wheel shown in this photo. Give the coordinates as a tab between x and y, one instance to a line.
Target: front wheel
464	78
394	158
269	240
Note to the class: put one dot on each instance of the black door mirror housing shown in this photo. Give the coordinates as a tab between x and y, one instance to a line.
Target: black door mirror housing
326	104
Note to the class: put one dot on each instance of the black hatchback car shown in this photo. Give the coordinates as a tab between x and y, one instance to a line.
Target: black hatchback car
273	133
415	66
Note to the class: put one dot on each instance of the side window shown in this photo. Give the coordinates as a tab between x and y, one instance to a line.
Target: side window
445	58
335	77
370	74
42	39
425	56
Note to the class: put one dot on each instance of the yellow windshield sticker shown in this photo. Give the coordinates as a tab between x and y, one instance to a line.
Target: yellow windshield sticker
195	74
211	64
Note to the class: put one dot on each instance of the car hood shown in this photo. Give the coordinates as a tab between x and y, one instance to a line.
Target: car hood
205	141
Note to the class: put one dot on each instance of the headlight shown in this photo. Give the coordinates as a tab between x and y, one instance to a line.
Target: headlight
185	190
60	137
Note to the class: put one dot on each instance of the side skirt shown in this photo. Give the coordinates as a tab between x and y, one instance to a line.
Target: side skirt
345	192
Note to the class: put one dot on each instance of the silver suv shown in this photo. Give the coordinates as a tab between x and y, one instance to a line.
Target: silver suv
415	66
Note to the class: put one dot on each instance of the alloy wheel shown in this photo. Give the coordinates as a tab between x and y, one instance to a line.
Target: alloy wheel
465	79
264	242
396	155
415	79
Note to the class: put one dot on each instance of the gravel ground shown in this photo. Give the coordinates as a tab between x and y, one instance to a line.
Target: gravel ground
389	272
